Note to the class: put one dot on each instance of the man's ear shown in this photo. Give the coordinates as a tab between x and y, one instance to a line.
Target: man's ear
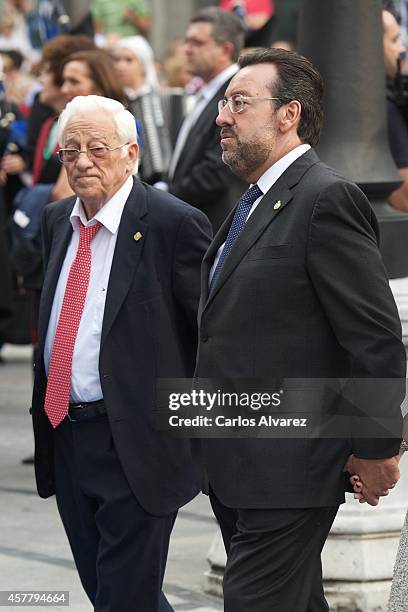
133	154
228	49
289	116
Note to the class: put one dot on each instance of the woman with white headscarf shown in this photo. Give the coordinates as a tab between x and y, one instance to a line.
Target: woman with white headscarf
137	73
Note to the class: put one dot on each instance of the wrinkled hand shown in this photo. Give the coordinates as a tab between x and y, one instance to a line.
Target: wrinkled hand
358	485
372	478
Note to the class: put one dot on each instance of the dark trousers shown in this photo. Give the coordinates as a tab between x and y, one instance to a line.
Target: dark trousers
119	549
273	558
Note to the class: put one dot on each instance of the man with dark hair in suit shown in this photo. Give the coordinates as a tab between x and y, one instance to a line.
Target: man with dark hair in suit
294	289
197	175
118	309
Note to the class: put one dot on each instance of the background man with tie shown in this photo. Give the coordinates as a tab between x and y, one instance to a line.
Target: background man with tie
293	287
197	175
118	310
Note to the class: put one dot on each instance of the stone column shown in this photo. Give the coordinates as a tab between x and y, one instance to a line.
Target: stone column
344	40
169	21
359	554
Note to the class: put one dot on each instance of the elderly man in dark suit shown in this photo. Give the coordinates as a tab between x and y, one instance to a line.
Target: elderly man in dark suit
197	175
118	309
293	288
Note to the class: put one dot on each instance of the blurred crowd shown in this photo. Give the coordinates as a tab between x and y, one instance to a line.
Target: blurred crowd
47	58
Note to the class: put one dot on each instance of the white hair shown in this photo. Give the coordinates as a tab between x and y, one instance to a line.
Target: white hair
139	46
89	105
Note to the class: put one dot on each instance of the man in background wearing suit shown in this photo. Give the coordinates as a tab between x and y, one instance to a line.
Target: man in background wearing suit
118	309
293	287
197	174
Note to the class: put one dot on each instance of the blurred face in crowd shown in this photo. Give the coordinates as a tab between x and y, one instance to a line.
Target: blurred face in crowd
393	47
204	56
95	181
129	68
77	81
248	138
51	93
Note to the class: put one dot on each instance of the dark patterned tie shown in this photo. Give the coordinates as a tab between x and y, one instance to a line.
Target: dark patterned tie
238	222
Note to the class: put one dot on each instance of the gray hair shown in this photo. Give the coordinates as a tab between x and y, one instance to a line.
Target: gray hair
124	120
227	27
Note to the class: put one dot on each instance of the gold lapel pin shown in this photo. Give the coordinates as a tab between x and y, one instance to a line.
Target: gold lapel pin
277	205
137	236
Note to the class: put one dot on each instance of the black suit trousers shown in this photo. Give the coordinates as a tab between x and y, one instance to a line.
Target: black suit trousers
119	549
274	558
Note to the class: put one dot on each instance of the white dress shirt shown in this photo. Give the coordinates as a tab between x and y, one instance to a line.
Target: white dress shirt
269	178
85	382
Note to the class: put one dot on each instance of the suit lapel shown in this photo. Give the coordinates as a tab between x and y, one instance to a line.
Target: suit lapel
260	219
127	254
200	127
62	232
271	205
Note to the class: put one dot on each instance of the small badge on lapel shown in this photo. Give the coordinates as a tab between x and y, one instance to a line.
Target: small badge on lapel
277	205
137	236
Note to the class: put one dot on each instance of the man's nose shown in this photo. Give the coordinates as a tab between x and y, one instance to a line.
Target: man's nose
224	117
83	160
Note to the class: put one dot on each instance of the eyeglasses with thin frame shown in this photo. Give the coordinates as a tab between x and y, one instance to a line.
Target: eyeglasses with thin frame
236	103
69	156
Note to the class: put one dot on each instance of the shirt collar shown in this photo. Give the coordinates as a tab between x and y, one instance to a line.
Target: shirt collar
133	94
109	215
210	89
271	175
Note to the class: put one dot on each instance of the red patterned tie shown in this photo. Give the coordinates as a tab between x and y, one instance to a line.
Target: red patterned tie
59	371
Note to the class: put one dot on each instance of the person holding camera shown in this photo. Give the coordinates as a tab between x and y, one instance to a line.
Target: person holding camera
397	106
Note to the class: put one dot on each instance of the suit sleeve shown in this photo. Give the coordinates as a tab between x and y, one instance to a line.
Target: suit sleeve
207	177
193	239
349	277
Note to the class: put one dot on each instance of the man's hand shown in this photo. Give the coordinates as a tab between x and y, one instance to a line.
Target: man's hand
141	22
3	178
358	485
13	164
375	477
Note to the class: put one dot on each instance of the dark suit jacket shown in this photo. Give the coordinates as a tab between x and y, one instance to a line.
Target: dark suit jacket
149	331
201	177
302	295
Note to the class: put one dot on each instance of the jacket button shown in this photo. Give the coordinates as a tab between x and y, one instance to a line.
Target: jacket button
204	338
